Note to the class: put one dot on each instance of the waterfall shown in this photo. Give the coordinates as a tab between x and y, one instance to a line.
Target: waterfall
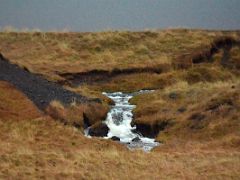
119	121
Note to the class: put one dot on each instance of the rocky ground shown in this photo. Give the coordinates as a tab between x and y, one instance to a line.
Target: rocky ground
38	89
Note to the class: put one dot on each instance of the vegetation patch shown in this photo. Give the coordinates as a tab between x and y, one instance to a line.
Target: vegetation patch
194	110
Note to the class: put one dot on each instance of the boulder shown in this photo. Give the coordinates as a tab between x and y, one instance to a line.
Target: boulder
136	139
115	138
99	129
151	130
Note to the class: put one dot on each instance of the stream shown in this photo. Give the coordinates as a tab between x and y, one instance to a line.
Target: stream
119	120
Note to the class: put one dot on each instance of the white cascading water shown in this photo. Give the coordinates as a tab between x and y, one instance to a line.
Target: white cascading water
119	122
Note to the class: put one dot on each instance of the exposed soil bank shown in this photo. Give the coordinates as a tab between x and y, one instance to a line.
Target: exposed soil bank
206	54
38	89
104	75
150	130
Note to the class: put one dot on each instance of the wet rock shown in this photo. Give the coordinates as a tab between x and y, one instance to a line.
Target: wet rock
117	118
152	130
135	130
97	100
136	139
86	121
98	129
115	138
147	130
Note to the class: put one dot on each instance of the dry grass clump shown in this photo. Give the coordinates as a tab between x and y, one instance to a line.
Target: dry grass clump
207	73
77	115
90	92
235	57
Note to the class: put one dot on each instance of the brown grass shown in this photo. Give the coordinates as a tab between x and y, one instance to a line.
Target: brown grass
53	53
41	148
78	115
14	105
138	81
206	54
203	111
196	109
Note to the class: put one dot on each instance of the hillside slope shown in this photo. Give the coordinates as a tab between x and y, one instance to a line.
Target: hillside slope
193	112
34	146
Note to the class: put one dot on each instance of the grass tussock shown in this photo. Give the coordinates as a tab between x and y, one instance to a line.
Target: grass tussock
77	115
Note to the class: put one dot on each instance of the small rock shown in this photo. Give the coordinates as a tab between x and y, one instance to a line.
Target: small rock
136	139
97	100
134	131
99	129
42	101
115	138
